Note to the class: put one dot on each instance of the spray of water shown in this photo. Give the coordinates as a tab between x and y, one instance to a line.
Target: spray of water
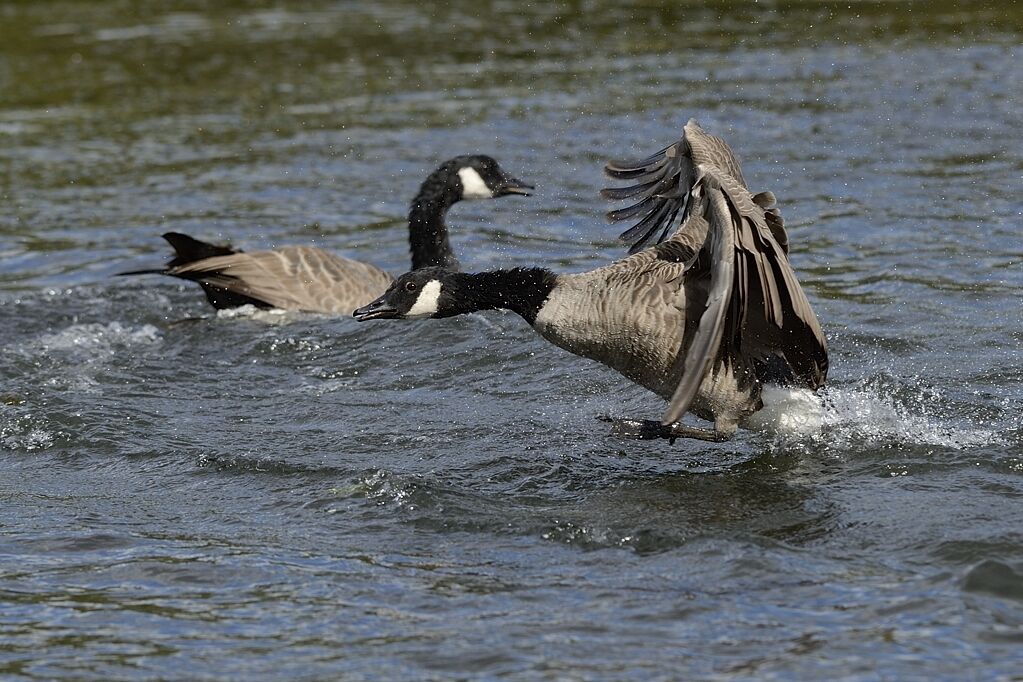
876	412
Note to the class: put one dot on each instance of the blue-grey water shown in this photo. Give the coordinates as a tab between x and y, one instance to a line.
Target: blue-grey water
191	496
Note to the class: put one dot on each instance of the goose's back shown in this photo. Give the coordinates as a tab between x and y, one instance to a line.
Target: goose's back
293	278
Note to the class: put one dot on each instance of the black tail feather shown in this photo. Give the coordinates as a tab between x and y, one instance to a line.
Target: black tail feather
187	250
190	249
147	271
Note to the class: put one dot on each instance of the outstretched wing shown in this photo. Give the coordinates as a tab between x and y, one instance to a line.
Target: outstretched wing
719	246
663	182
755	308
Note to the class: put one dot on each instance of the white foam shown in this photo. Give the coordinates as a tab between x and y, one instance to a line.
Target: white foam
867	416
788	411
80	353
249	310
21	430
33	439
99	339
858	416
270	316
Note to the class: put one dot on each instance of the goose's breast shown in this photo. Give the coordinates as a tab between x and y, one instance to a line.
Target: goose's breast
633	327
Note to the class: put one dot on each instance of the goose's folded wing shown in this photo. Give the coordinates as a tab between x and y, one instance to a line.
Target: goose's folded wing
292	278
755	304
662	186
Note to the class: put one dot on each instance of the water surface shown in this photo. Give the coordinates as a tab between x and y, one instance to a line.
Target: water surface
296	497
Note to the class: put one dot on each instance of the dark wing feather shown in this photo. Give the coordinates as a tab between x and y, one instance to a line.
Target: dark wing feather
660	218
191	250
780	319
772	215
630	170
735	238
760	310
655	196
640	208
646	189
663	183
704	347
188	249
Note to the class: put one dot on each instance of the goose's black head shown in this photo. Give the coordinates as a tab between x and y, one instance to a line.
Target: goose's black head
463	177
478	176
417	294
440	292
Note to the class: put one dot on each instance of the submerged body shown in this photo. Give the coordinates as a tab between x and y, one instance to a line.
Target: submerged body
704	319
309	279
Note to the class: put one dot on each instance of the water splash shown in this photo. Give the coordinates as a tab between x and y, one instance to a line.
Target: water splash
859	416
272	316
94	340
880	411
76	358
32	439
21	430
789	412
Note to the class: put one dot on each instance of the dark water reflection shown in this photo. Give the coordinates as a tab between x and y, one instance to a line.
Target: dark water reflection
289	497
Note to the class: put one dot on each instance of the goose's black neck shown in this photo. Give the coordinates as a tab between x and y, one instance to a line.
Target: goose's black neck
427	232
521	290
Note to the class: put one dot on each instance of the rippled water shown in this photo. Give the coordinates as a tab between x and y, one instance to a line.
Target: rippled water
186	495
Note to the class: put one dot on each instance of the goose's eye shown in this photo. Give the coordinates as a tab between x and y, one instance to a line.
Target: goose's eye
410	286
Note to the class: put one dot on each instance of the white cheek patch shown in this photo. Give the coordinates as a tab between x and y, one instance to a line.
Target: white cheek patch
426	304
473	186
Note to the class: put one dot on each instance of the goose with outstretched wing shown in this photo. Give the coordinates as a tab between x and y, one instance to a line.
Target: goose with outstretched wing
705	311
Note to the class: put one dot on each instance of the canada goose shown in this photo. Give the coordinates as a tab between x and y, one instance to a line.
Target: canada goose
314	280
703	319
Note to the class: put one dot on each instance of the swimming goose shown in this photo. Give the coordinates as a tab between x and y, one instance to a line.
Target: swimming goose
705	318
314	280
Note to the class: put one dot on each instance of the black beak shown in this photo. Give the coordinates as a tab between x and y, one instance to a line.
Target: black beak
510	185
379	309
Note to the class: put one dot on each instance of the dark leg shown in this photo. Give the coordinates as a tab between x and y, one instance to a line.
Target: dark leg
649	429
187	320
